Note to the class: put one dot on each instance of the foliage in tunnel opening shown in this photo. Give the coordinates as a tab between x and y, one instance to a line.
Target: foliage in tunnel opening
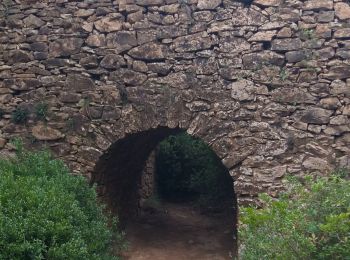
309	221
46	213
187	168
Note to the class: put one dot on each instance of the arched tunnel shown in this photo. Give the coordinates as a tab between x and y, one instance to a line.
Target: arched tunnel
118	175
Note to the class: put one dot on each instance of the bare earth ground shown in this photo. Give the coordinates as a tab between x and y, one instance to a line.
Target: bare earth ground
179	232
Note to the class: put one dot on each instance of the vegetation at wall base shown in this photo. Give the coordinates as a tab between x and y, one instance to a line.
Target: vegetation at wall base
47	213
309	221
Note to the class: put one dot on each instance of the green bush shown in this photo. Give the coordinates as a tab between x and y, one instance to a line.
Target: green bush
20	115
310	221
41	110
46	213
188	168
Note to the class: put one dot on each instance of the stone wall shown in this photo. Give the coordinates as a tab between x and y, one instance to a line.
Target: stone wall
266	85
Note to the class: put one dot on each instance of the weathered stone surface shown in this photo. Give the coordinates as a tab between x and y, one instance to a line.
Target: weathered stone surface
112	61
295	56
316	116
65	47
129	77
292	96
264	36
342	33
96	40
79	83
314	163
17	56
245	90
317	5
33	22
46	133
148	52
121	41
256	60
108	25
268	2
342	10
195	42
338	72
286	44
208	4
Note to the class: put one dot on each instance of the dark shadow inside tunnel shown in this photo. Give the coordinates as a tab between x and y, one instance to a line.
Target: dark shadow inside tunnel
128	185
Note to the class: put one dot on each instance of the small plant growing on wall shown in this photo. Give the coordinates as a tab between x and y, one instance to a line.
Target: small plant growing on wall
41	111
20	115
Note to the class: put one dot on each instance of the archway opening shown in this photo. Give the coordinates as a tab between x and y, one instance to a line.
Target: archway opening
171	193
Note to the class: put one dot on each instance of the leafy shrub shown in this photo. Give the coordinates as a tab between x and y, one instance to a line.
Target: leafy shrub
46	213
20	115
188	168
41	110
310	221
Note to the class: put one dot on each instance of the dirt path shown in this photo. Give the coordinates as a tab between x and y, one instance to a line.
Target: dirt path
179	232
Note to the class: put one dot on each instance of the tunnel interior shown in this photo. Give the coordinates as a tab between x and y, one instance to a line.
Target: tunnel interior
118	175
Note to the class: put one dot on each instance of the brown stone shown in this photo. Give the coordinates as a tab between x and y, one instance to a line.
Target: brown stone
65	47
121	41
46	133
96	40
342	10
338	72
84	12
342	33
317	116
148	52
195	42
208	4
17	56
264	58
108	25
33	22
318	5
264	36
112	61
79	83
129	77
268	2
286	44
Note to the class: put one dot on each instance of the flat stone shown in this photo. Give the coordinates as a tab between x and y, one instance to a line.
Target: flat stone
245	90
33	22
286	44
84	12
108	25
128	77
148	52
208	4
96	40
254	60
317	5
292	96
65	47
264	36
343	33
315	163
112	61
121	41
79	83
18	56
46	133
317	116
195	42
267	3
342	11
295	56
338	72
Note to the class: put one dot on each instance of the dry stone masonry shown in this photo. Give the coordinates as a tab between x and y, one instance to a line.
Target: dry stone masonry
266	84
